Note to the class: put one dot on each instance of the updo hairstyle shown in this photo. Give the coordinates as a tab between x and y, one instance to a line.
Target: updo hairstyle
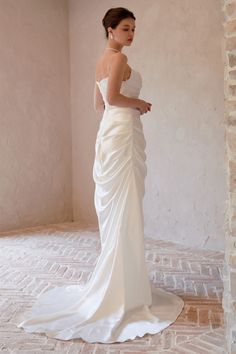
114	16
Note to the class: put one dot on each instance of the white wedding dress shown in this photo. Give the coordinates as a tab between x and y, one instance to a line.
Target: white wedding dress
118	302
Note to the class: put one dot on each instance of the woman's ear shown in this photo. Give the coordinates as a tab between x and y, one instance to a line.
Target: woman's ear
109	30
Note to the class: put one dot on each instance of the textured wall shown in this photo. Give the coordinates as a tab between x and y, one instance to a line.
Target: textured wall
84	28
35	134
229	298
183	77
177	49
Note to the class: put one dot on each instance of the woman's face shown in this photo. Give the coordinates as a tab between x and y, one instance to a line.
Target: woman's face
124	32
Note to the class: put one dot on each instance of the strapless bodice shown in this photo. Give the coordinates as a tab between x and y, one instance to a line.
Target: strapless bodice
130	87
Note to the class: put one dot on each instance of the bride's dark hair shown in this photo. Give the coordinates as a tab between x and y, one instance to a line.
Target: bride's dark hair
113	17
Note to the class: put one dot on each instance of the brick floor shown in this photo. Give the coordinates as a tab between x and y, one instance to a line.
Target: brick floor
36	259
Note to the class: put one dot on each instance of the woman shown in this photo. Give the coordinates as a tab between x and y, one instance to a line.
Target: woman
117	303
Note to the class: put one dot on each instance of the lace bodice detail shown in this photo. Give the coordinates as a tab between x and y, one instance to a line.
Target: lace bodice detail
130	87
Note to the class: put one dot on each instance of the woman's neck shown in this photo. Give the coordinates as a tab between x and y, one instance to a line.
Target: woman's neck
113	45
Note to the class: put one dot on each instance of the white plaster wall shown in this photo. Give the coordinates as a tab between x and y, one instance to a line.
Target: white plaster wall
177	49
186	182
84	43
35	134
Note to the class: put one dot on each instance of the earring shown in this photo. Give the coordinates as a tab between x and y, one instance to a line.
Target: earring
111	36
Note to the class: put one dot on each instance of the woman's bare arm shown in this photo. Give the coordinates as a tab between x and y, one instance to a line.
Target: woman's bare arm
116	74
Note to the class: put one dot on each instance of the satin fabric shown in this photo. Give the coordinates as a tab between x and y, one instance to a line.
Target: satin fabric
118	302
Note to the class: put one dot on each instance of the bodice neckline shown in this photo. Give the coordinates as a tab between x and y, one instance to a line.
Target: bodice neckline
105	78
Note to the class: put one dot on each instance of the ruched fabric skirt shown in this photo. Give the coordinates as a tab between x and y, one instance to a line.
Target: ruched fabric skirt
118	302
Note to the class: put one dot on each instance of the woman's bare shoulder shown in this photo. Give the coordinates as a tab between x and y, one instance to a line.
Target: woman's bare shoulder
118	59
112	56
105	62
120	56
